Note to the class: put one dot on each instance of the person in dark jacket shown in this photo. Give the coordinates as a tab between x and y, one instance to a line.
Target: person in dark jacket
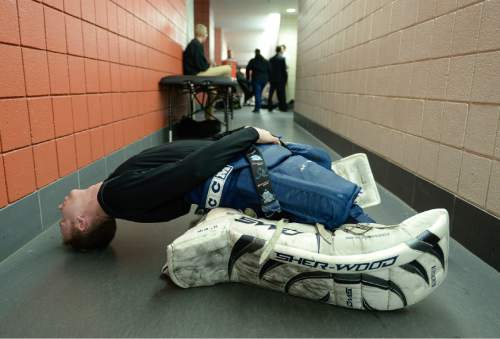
278	80
194	62
150	186
258	71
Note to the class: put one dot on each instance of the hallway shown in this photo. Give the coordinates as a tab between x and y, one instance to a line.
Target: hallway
50	291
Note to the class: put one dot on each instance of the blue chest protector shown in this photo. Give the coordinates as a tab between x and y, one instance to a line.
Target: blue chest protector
302	181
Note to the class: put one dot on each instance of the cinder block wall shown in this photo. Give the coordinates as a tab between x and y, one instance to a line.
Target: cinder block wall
78	81
415	81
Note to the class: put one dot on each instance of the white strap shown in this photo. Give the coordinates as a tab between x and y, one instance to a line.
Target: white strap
326	235
271	243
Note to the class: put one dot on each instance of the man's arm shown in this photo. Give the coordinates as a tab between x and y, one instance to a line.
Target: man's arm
208	160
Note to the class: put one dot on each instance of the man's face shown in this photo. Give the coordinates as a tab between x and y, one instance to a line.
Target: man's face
70	208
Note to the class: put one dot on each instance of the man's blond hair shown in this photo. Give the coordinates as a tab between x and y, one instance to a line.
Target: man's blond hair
200	30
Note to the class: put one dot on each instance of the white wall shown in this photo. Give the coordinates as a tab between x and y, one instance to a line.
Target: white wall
244	42
270	36
288	36
223	45
189	21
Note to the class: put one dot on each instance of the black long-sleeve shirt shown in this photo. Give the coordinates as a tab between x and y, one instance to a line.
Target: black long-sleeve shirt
279	73
193	58
151	186
260	69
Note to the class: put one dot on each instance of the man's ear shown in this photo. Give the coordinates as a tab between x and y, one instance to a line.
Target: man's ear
81	224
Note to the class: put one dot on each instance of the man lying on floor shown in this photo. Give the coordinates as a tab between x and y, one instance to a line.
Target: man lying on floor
161	183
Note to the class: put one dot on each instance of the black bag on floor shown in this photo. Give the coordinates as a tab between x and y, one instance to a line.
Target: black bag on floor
188	128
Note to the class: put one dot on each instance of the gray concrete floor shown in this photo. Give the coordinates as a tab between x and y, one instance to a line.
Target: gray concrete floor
49	291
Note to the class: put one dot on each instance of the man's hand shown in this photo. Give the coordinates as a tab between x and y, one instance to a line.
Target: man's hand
265	137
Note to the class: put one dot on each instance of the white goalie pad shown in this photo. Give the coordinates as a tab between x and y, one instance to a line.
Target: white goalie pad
356	169
363	266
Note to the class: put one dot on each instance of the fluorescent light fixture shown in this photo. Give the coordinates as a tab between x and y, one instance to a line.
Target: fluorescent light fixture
291	10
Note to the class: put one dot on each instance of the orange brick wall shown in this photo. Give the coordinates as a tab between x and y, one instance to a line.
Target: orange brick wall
79	80
415	81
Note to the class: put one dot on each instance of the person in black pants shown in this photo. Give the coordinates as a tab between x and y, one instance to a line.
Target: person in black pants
278	80
258	71
150	186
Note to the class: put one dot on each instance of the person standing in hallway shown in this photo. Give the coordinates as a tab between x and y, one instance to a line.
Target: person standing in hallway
278	80
258	71
232	63
195	63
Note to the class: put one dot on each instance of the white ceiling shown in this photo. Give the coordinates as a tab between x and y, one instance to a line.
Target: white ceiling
244	21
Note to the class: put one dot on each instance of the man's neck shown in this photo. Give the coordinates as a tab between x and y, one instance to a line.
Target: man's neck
94	211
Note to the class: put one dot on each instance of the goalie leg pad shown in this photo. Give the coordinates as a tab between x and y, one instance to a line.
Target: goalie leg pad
364	266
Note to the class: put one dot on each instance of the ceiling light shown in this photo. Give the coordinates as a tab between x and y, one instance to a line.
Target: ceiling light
291	10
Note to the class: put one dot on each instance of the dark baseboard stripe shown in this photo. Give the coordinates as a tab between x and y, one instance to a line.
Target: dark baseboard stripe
474	228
